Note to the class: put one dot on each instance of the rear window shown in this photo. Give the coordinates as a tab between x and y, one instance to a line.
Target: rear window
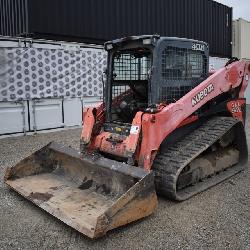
180	63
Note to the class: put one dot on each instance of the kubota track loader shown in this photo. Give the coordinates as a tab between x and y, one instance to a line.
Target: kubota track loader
165	120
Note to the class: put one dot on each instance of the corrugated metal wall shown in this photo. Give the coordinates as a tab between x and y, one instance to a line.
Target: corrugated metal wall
13	17
97	20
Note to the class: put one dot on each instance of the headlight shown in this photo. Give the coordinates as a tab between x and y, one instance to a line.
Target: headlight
147	41
109	46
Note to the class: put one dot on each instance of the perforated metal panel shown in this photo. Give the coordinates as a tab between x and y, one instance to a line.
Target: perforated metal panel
27	73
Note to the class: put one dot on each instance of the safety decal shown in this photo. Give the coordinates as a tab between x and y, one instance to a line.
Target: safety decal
134	130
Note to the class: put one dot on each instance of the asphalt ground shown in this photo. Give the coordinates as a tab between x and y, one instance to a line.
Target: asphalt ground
215	219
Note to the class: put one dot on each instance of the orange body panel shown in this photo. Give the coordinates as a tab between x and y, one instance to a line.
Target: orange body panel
149	130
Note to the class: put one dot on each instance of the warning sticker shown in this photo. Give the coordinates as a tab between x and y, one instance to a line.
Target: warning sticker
134	130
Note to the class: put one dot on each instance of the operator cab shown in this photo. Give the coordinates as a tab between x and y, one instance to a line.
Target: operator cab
130	83
144	71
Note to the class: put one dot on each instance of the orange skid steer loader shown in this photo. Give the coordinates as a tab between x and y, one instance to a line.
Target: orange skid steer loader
166	125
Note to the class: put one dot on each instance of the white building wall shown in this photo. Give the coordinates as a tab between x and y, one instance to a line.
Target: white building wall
241	36
241	44
216	63
34	111
72	111
45	114
13	117
40	114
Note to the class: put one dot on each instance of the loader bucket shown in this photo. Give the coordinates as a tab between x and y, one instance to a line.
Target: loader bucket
92	194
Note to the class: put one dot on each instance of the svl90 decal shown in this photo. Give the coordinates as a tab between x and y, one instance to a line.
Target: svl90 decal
236	107
198	46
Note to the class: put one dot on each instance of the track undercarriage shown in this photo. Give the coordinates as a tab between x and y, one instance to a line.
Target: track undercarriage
210	154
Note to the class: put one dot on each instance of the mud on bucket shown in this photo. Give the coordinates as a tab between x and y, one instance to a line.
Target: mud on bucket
92	195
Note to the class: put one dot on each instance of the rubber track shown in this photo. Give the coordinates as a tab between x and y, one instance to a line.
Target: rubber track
170	161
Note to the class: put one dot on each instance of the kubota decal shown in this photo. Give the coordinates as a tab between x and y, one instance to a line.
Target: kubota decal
202	94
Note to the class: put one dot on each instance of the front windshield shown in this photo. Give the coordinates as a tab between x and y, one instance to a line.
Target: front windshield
131	65
130	71
129	85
